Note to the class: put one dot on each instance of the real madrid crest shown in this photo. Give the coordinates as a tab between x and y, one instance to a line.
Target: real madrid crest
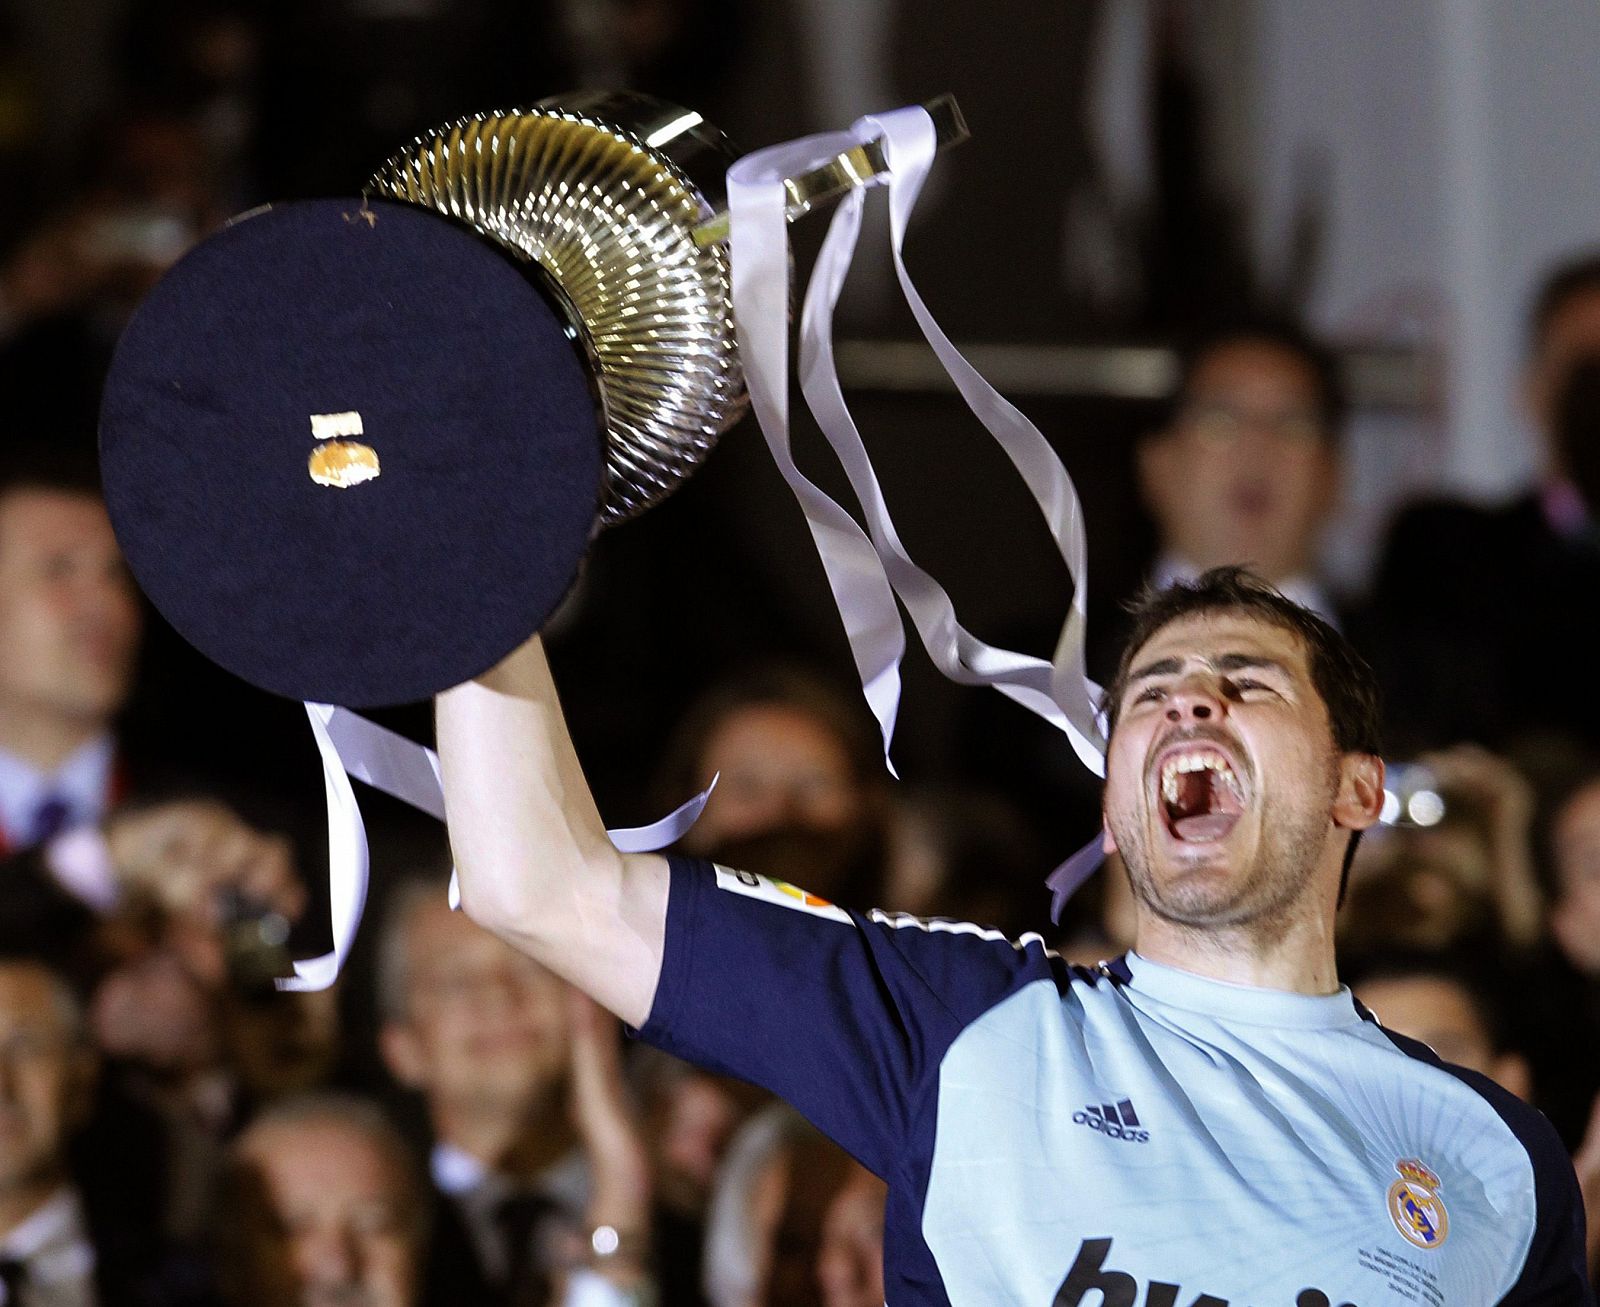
1415	1206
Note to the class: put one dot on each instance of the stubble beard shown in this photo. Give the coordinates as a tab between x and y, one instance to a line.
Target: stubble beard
1264	899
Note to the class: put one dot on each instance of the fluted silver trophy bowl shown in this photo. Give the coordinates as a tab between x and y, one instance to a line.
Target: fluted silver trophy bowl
602	194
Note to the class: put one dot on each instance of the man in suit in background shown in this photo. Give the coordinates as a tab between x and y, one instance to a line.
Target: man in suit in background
535	1153
54	1249
69	634
1245	469
324	1207
46	1070
1468	598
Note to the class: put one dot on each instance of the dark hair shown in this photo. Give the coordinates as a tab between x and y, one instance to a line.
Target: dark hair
46	465
1276	333
1578	275
776	685
1341	677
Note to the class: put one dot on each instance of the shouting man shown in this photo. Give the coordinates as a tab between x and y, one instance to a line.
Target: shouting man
1209	1120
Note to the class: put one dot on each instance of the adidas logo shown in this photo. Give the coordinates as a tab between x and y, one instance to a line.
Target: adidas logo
1116	1122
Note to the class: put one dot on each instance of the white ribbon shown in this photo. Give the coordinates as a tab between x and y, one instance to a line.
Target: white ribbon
758	238
347	859
353	746
1058	690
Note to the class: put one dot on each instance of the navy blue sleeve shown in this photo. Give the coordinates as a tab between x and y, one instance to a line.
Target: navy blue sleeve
845	1015
1557	1268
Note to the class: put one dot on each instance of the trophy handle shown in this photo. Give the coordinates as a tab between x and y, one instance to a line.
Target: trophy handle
854	167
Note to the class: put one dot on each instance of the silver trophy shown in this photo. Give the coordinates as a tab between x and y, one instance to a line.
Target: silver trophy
618	200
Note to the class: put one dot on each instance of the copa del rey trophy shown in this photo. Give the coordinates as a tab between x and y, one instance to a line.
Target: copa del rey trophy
354	449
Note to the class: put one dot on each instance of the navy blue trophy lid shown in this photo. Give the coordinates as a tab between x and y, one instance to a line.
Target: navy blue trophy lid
352	451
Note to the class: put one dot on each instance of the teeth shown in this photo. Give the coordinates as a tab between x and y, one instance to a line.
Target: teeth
1183	763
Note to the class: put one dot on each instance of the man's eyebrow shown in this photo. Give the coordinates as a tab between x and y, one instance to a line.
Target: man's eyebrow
1237	662
1230	662
1162	667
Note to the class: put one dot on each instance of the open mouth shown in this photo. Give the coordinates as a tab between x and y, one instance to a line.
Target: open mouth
1201	797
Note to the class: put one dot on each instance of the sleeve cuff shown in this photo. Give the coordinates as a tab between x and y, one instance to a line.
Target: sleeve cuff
587	1288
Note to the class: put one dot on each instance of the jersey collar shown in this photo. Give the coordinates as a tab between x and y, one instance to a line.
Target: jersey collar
1234	1003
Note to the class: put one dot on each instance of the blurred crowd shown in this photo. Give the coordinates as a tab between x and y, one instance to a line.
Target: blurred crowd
452	1124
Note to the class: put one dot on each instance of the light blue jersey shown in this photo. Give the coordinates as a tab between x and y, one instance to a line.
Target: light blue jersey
1128	1136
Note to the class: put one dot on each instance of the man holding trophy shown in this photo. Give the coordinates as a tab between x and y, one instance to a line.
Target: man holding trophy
1211	1119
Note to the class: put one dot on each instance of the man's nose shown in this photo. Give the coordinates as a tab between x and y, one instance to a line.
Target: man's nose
1197	699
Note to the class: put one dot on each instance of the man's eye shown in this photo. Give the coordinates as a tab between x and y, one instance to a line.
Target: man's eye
1244	685
1150	694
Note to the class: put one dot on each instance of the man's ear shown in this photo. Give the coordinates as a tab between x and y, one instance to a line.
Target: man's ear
1360	799
402	1054
1108	841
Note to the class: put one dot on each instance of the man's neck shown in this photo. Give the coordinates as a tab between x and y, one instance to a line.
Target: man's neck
45	740
20	1201
519	1144
1298	957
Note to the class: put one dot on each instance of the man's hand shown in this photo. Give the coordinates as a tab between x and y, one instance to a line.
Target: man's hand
1506	800
185	853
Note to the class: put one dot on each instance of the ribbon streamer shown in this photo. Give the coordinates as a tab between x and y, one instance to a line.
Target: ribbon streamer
347	860
1067	879
1059	690
353	746
759	266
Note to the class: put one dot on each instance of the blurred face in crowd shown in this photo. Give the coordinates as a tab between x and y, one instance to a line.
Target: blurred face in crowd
1440	1013
69	621
815	1171
850	1260
339	1224
152	1010
778	767
284	1043
690	1128
1575	918
45	1069
485	1028
1225	793
1571	336
1246	473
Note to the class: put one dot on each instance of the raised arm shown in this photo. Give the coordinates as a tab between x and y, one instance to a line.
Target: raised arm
535	865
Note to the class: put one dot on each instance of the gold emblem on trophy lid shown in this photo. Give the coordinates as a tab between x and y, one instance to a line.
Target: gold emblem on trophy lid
338	461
